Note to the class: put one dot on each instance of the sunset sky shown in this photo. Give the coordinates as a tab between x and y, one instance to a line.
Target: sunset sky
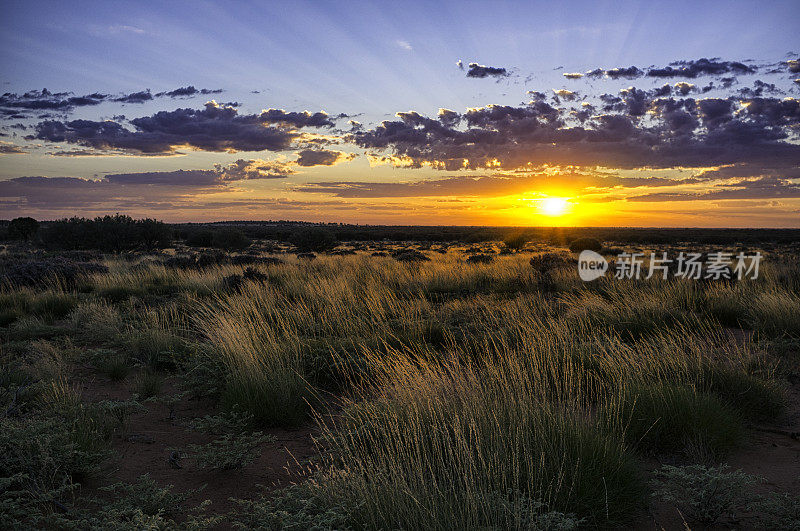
539	113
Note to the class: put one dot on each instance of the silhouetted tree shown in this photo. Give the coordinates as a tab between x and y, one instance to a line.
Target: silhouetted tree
584	244
23	228
316	239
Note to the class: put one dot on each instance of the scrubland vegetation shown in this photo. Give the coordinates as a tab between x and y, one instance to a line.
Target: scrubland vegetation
444	393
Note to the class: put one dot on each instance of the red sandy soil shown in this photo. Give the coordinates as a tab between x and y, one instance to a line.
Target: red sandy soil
145	447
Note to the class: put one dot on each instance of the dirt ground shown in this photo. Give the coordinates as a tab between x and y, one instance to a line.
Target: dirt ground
150	437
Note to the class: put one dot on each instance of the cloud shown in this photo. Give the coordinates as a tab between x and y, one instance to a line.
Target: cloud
492	186
297	119
125	28
14	105
135	97
20	105
404	45
54	193
631	72
321	157
760	188
701	67
635	130
566	95
685	68
572	75
480	71
7	148
188	91
214	128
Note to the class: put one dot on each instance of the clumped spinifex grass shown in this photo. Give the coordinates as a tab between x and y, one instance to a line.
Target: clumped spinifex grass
444	445
467	395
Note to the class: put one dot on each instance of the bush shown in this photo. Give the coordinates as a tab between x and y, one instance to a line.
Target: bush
201	238
230	240
585	244
108	233
702	494
410	255
313	239
668	418
23	228
229	452
41	272
480	259
516	242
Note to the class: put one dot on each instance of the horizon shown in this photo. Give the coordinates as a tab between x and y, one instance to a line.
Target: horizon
629	116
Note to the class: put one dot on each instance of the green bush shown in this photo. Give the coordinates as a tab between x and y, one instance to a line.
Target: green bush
703	495
669	418
231	451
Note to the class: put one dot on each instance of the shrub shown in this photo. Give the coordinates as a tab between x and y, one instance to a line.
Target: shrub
775	314
516	242
410	255
480	259
669	418
148	385
108	233
37	273
23	228
201	238
53	304
230	239
548	261
702	494
112	364
229	452
313	239
585	244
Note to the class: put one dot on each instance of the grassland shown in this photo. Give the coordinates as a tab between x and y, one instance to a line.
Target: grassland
440	394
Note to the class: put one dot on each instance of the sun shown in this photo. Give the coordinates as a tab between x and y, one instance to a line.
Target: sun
553	206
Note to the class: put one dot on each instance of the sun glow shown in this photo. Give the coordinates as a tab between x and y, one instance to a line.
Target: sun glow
553	206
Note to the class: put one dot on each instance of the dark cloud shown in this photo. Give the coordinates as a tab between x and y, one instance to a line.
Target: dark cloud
320	157
135	97
701	67
480	71
7	148
625	73
760	88
634	130
685	69
630	72
297	119
183	92
22	105
213	128
19	106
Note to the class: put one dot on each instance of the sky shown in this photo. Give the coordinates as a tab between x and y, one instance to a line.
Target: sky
655	114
